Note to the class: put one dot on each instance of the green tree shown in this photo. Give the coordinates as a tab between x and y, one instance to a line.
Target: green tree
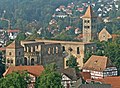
72	63
50	78
15	80
21	36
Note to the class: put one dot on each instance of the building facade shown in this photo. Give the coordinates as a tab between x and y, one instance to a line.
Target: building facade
77	49
42	53
14	54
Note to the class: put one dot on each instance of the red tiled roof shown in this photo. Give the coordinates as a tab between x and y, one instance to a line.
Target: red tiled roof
2	49
115	36
9	31
86	75
97	63
114	81
89	13
34	70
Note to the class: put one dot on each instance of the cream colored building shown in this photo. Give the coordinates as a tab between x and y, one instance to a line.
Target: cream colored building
44	52
14	54
89	25
104	35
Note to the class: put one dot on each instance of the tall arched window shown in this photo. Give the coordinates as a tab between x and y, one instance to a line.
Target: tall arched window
25	61
63	48
32	61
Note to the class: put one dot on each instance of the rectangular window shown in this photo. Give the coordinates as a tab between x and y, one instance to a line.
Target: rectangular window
85	21
48	50
19	53
67	63
63	48
53	50
33	48
11	61
88	26
88	21
8	61
78	50
56	49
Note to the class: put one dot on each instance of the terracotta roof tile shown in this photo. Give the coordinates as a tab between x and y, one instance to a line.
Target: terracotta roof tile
97	63
89	13
34	70
2	49
114	81
9	31
86	75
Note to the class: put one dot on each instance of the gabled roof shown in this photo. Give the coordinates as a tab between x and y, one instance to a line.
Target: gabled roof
114	81
14	45
34	70
97	63
71	73
104	30
89	13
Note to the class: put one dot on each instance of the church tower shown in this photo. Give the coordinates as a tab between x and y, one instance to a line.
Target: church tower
89	25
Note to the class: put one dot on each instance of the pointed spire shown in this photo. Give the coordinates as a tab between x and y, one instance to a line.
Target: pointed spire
89	13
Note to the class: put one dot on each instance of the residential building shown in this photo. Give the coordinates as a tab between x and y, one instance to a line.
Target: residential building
69	77
104	35
99	67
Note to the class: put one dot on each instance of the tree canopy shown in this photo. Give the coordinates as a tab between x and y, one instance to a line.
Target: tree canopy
50	78
72	62
15	80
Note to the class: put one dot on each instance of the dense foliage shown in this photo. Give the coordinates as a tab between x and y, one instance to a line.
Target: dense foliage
22	12
15	80
50	78
72	63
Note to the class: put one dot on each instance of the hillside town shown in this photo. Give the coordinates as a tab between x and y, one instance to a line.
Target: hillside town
87	58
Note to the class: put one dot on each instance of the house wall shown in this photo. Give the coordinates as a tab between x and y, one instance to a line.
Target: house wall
110	71
52	53
14	57
66	81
